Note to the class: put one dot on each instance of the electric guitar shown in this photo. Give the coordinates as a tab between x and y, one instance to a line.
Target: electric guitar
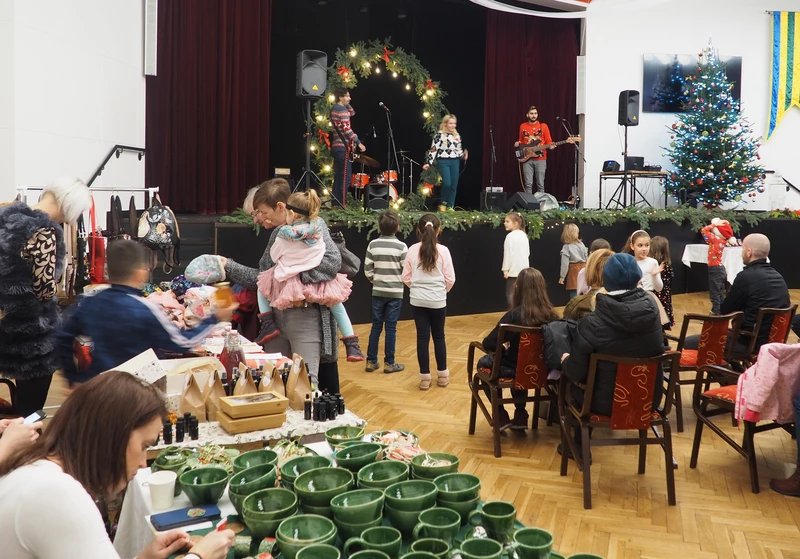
523	152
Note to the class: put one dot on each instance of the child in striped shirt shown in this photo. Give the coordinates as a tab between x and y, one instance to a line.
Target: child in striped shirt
383	266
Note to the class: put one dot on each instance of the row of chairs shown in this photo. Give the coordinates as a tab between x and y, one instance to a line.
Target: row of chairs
712	363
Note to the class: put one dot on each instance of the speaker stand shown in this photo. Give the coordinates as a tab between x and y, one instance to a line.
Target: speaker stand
620	196
308	174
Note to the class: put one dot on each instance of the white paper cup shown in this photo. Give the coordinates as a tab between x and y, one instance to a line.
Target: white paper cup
162	488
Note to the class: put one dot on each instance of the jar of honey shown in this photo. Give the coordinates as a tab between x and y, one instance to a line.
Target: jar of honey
224	294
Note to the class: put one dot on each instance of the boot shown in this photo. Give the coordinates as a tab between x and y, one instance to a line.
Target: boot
789	486
353	350
443	378
269	329
424	381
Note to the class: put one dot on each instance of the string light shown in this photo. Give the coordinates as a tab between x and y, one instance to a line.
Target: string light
353	53
394	74
319	118
331	98
408	86
425	191
377	69
327	168
325	191
429	93
367	65
426	114
313	147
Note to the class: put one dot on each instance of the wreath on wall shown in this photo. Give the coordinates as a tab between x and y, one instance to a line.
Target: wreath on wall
365	59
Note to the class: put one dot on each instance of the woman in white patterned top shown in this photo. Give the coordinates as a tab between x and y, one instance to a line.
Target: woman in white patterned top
447	151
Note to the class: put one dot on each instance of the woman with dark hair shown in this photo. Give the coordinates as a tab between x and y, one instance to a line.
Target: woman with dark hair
530	306
92	448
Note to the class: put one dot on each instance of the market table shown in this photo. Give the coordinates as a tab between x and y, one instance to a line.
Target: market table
731	258
134	530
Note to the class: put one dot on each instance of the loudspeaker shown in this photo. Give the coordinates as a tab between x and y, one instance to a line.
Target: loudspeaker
628	108
492	200
377	196
312	73
634	163
610	166
522	201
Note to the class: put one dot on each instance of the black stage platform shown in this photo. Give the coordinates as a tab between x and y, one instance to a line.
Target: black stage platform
478	253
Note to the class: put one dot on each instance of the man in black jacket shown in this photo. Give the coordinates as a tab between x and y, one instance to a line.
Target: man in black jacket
625	323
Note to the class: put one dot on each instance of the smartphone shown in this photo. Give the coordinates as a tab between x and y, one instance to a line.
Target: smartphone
184	517
35	416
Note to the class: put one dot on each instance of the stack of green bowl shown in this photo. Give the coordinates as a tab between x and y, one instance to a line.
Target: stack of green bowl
357	455
459	492
204	486
174	459
343	434
300	531
381	475
420	470
406	499
255	458
250	480
316	488
355	511
300	465
264	510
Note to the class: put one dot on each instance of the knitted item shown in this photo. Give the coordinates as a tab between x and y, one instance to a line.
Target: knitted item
424	381
443	378
354	352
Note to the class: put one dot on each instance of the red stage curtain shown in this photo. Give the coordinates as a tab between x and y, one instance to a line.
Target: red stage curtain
529	61
207	115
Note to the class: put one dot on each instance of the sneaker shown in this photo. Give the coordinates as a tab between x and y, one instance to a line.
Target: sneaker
392	367
442	208
352	348
520	422
371	366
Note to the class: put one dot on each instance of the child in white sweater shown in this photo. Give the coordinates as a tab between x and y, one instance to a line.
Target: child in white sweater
516	251
639	246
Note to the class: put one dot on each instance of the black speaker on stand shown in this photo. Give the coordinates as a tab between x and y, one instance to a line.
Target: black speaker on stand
377	196
312	79
629	108
522	201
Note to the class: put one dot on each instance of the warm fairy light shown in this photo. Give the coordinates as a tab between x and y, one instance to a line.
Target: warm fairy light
313	147
396	206
325	191
400	201
408	86
429	93
426	114
319	118
377	70
367	65
329	123
394	74
353	53
425	190
331	98
327	168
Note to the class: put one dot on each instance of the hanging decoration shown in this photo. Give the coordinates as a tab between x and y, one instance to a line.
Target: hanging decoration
785	66
363	60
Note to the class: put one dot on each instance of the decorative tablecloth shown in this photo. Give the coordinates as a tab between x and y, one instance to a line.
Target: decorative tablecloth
731	258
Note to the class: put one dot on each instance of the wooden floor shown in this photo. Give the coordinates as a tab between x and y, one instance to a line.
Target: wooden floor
717	516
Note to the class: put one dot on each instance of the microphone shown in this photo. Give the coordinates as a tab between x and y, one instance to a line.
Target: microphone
384	107
374	134
559	118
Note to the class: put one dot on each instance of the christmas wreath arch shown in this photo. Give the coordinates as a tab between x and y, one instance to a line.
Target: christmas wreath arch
363	60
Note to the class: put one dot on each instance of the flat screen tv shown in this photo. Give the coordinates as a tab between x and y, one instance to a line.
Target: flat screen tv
664	76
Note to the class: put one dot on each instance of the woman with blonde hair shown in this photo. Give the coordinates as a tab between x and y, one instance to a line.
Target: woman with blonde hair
582	305
447	151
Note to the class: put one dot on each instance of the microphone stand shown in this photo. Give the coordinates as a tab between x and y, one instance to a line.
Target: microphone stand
493	160
411	164
391	147
575	198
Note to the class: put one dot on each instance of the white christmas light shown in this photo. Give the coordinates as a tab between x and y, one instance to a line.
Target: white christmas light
353	53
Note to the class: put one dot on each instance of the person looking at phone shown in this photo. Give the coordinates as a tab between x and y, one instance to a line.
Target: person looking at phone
17	435
92	448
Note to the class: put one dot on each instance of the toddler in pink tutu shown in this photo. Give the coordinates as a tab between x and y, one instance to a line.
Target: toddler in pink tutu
299	247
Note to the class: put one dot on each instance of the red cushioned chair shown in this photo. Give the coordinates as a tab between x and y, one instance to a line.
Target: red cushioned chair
780	321
531	375
711	350
632	410
708	402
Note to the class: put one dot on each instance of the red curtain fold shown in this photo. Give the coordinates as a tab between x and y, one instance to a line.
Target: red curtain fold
530	61
207	110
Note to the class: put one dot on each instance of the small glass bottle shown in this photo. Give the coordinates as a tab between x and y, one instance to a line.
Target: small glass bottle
180	429
307	408
340	409
167	432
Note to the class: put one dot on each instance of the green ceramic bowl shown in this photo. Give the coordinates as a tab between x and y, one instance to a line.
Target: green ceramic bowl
379	437
174	459
253	479
261	528
303	530
461	507
359	506
319	551
403	520
270	504
356	456
381	475
204	486
421	471
318	487
458	487
254	458
302	464
325	511
346	433
412	495
347	530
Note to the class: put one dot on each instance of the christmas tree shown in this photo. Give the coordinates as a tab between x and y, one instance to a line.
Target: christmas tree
668	90
712	149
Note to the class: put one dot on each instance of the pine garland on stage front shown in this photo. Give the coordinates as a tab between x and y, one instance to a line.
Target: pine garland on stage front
712	148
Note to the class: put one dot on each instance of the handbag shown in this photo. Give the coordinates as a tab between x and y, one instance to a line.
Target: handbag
351	263
158	230
97	250
117	229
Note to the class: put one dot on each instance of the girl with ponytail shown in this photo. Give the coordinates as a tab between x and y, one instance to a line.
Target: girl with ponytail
429	274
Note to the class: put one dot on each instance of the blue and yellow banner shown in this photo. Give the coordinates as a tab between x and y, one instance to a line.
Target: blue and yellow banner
785	66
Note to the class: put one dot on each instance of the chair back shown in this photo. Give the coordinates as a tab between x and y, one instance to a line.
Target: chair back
714	334
634	388
779	327
531	368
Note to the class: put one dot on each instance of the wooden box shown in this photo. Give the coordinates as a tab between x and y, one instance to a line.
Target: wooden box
251	405
247	424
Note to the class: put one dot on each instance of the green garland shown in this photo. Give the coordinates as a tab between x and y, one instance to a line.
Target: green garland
354	216
365	59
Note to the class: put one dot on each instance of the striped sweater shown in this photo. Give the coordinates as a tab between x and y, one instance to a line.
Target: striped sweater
383	266
340	118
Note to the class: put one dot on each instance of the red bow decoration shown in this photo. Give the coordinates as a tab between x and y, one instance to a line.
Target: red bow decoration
324	137
386	53
344	71
430	85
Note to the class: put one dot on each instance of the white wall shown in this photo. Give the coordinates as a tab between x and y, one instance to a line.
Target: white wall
615	44
78	89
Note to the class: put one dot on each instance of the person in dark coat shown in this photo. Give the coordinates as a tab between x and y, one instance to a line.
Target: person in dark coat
625	323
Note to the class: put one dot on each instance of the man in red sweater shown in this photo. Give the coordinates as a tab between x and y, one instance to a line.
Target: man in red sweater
534	132
343	141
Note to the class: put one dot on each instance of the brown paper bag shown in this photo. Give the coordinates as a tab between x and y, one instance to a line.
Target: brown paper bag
214	391
192	399
298	384
271	382
246	384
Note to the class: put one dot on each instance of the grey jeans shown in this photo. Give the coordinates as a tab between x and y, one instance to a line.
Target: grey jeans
301	333
717	277
533	168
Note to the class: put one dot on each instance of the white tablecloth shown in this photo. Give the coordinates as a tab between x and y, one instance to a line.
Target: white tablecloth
134	530
731	258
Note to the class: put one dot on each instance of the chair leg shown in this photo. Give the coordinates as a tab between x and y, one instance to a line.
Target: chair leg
536	405
678	407
495	420
473	407
553	412
750	448
642	450
566	427
668	464
698	435
587	474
